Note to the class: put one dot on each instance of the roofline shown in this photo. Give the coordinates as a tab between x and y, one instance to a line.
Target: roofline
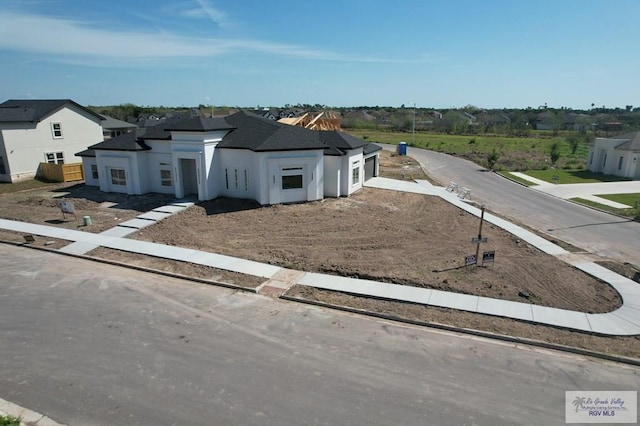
95	114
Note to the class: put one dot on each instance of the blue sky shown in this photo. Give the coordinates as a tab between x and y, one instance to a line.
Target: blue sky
438	54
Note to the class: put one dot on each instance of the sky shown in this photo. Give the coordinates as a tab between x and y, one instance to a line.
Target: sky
434	54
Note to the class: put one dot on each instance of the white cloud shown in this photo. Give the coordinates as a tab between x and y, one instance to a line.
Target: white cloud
69	40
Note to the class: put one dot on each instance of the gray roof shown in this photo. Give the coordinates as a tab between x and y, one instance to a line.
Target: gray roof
259	134
126	142
114	123
34	110
246	131
632	142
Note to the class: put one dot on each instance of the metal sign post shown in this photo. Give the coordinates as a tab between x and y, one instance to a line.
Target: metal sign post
480	239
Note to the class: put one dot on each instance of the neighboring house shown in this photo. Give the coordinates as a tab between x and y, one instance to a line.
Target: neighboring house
243	155
619	156
50	131
112	127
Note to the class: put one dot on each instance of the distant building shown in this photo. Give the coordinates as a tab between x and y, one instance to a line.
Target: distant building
48	131
618	156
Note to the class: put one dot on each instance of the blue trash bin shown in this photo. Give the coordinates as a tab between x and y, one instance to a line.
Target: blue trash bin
402	148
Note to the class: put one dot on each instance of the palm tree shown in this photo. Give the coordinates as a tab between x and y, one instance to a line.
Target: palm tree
578	402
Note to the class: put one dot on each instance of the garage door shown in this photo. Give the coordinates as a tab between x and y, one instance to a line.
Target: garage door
369	168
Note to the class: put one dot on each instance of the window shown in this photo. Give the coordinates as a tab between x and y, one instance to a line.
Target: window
3	171
118	177
292	182
355	173
54	157
620	163
56	130
246	181
236	174
165	177
94	171
226	178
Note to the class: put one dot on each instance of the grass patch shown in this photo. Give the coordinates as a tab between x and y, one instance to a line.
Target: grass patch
25	185
628	199
515	178
573	176
514	153
631	213
9	420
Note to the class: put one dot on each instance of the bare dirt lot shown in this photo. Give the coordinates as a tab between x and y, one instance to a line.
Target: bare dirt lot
383	235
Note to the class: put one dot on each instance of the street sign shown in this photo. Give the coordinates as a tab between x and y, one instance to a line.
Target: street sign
470	260
476	240
488	256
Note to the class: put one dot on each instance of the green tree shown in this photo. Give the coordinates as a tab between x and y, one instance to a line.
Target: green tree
492	158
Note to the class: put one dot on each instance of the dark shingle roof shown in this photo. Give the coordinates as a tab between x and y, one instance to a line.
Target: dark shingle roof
34	110
260	134
339	142
126	142
247	131
198	124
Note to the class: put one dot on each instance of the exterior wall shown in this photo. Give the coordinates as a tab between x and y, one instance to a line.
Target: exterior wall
274	164
238	174
332	175
199	149
5	171
159	158
127	161
87	162
347	185
604	158
27	143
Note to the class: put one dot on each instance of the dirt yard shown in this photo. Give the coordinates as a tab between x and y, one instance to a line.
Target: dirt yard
388	236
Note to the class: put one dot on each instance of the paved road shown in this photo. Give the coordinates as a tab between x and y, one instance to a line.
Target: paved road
594	231
92	344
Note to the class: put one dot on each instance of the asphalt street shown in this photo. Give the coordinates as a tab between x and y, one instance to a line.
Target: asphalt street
591	230
91	344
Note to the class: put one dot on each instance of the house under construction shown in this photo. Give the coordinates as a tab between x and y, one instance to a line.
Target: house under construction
327	120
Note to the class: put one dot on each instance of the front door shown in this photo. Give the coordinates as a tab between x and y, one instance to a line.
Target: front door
189	174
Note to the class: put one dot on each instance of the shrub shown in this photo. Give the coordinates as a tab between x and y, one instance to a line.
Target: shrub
9	420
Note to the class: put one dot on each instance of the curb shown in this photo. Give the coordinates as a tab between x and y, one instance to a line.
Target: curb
471	332
27	417
137	267
478	333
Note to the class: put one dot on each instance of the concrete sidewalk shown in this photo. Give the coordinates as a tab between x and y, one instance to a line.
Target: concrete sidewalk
587	191
624	321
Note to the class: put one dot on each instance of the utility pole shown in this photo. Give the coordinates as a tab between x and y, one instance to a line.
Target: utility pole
413	131
479	234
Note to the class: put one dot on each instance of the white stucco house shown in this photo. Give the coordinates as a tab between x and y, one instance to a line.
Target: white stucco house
243	155
619	156
49	131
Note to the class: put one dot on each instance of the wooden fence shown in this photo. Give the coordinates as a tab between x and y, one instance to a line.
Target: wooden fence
61	172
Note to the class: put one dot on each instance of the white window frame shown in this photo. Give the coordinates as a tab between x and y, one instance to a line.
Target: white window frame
54	157
94	171
355	173
165	177
620	162
120	179
56	130
3	170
